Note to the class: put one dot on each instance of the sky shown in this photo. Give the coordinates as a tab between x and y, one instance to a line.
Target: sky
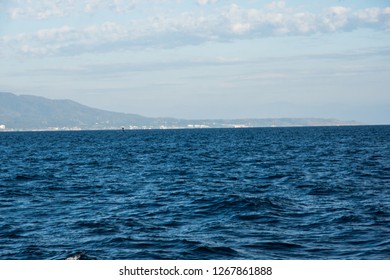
202	59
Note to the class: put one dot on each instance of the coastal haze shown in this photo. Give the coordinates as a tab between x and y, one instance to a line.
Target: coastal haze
202	59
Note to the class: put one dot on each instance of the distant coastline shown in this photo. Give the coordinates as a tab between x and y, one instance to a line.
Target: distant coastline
33	113
228	126
170	128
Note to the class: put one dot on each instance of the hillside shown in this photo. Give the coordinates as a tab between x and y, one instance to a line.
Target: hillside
27	112
33	112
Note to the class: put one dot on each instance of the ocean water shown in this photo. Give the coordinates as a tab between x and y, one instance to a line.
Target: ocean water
264	193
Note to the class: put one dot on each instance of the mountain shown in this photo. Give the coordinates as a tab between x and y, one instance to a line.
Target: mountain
33	112
27	112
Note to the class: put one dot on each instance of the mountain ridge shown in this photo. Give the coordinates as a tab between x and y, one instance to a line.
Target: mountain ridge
30	112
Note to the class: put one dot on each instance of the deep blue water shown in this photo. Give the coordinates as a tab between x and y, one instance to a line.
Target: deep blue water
265	193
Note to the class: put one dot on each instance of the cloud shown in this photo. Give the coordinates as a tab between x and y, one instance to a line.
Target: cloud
46	9
36	51
205	2
171	28
67	40
119	6
276	5
374	17
336	18
40	9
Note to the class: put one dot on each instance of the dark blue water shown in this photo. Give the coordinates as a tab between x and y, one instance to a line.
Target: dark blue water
266	193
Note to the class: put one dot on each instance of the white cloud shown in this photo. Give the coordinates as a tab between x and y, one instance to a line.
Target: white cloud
336	18
205	2
120	6
374	16
36	51
259	22
40	10
66	39
170	29
14	13
276	5
46	9
240	28
54	34
90	6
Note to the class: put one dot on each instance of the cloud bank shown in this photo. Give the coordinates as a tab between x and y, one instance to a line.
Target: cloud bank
168	24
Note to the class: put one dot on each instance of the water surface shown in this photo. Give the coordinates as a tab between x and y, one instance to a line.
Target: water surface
265	193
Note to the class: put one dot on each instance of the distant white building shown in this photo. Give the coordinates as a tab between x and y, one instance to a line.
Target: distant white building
2	126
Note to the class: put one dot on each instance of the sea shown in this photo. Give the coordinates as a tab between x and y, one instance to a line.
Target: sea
251	194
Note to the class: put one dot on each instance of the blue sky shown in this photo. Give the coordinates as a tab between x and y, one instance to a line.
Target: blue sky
203	58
